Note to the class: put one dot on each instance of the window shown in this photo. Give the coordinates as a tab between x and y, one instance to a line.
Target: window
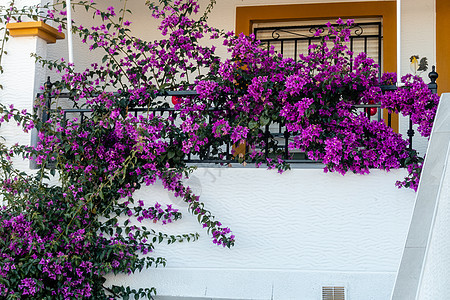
292	38
385	11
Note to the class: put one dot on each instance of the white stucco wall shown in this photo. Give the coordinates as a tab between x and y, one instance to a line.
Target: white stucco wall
296	232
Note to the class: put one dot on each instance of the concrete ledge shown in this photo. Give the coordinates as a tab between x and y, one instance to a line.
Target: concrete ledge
39	29
259	284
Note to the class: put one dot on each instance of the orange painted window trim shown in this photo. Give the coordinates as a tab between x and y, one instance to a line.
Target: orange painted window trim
443	45
38	28
246	16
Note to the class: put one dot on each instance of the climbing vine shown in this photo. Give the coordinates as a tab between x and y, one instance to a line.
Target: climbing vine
58	241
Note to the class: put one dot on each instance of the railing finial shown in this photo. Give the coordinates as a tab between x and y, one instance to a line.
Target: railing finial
47	94
433	75
48	85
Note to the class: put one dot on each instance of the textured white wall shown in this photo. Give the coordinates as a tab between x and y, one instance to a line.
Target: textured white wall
295	232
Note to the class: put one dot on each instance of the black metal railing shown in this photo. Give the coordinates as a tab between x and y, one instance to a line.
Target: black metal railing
276	136
223	154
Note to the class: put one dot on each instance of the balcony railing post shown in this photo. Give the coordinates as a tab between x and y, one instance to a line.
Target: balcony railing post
266	139
433	76
433	87
286	144
410	133
47	96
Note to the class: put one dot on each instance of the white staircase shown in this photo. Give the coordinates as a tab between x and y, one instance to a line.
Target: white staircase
424	271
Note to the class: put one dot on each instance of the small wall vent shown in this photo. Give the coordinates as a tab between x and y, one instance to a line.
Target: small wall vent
333	293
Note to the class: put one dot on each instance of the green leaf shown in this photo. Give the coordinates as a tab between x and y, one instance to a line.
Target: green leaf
252	124
264	121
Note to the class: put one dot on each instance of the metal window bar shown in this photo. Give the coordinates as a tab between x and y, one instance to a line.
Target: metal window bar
278	135
380	61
